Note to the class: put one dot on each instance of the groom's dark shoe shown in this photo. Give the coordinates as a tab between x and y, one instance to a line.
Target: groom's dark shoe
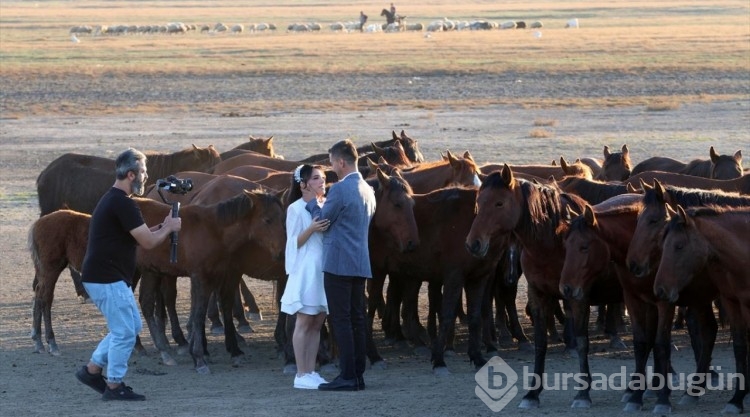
339	384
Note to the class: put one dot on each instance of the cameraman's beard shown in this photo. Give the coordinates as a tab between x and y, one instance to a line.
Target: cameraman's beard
137	187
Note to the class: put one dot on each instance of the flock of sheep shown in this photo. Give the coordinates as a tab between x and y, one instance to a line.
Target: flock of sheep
435	26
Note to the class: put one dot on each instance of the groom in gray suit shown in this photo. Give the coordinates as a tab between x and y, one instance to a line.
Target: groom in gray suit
349	205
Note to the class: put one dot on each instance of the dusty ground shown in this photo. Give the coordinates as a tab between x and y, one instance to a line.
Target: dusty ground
74	118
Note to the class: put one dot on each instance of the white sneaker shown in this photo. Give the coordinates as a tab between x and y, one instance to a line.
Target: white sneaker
318	378
306	381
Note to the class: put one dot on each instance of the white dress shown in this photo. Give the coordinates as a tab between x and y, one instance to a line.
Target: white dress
304	289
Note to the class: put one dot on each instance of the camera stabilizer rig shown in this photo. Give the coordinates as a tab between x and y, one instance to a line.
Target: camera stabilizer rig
175	186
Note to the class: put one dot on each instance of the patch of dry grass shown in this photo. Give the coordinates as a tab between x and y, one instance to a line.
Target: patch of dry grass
545	122
541	133
663	105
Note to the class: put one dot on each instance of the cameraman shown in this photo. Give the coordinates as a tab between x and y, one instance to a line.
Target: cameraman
117	227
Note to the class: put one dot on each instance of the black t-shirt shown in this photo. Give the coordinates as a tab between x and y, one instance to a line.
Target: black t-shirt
110	254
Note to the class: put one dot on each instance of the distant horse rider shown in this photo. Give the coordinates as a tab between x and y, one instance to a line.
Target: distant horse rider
393	12
362	20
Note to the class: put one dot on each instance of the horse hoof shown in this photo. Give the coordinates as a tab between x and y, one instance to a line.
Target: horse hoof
581	404
183	350
330	368
617	343
441	371
662	409
84	300
527	404
254	316
203	370
632	407
167	359
731	409
450	353
217	330
380	365
237	361
649	394
245	328
289	369
54	352
626	397
422	351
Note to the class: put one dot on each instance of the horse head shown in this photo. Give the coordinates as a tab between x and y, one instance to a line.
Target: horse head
394	210
616	166
644	249
725	167
586	254
684	251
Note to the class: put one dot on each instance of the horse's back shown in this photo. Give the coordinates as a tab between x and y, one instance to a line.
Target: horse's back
658	163
75	181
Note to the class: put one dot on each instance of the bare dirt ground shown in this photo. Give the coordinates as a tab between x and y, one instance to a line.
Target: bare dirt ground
76	116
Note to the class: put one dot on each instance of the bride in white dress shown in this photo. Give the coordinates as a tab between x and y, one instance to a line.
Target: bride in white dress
304	294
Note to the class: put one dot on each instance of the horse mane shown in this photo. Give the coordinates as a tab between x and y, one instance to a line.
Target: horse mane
394	182
689	197
233	209
451	192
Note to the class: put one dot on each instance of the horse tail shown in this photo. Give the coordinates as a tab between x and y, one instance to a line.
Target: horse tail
33	247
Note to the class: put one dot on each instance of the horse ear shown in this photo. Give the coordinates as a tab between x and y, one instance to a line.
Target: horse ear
250	138
376	149
395	136
565	167
570	214
660	191
588	214
629	188
625	150
644	186
372	165
269	141
251	197
382	177
738	156
554	163
452	159
670	211
381	160
443	157
607	153
195	147
399	145
714	155
403	135
507	175
684	218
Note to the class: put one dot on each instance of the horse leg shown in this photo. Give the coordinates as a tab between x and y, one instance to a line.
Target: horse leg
541	307
217	327
279	332
662	357
413	329
375	300
390	322
169	297
489	332
452	289
199	295
250	304
679	320
238	311
739	331
475	289
569	337
613	324
227	291
509	296
702	328
435	301
149	292
580	310
643	320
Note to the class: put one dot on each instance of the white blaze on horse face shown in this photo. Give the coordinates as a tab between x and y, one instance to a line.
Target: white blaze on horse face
477	181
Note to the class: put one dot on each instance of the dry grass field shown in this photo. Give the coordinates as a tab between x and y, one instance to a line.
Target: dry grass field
666	77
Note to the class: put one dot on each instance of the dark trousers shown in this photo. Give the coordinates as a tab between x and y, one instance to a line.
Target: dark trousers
346	313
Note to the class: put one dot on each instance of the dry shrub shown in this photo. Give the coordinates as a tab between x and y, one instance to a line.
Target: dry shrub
545	122
663	106
540	133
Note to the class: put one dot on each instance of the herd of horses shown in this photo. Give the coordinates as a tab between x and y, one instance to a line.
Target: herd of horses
594	232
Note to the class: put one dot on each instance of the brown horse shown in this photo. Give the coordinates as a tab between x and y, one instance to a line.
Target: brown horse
534	213
442	216
252	158
208	242
720	167
594	192
616	165
454	170
716	240
259	145
597	241
411	148
644	253
394	154
577	169
737	185
56	240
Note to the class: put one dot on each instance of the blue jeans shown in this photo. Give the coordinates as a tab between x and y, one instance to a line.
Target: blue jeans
117	303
